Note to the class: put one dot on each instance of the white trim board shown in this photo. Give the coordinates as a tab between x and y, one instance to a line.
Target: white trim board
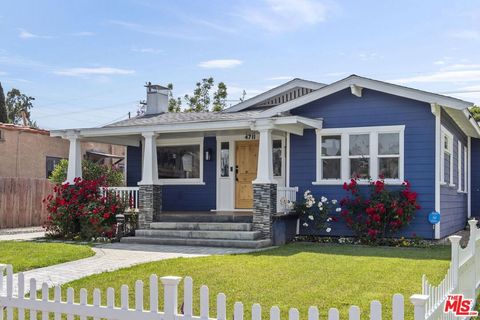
361	82
436	110
295	83
374	157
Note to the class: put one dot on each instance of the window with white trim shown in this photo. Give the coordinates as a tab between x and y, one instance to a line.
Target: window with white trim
446	165
465	169
389	155
359	155
331	157
366	152
180	161
459	167
462	167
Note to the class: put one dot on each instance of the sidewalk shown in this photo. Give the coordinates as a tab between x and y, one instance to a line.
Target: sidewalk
29	233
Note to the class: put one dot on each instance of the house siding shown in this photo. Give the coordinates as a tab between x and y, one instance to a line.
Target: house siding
180	197
475	178
134	166
453	204
341	110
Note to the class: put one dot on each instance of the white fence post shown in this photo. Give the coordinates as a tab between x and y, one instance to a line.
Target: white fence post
419	301
170	296
398	307
256	312
375	310
455	241
153	293
473	244
274	314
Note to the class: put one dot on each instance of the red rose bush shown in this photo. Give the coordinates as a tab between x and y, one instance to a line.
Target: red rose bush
380	212
82	210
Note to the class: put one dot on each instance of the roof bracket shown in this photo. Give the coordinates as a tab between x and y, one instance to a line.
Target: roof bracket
356	90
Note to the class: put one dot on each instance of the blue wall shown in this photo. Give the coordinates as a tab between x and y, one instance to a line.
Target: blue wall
453	205
475	188
343	109
134	165
181	197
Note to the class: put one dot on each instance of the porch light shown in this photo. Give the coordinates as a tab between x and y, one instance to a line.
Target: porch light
208	154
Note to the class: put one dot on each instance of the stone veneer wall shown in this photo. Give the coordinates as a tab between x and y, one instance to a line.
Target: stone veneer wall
264	206
150	204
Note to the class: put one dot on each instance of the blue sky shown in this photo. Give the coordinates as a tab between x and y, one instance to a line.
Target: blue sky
86	62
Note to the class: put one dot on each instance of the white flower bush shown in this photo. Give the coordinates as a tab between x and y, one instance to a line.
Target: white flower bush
318	212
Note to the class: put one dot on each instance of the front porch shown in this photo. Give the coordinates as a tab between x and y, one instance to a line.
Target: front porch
214	170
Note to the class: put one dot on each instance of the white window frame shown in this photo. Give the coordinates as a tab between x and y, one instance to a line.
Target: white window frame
183	142
449	150
369	156
320	166
462	168
459	166
373	154
465	169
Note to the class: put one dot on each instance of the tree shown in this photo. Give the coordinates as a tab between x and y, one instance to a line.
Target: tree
91	171
3	108
476	112
18	107
220	97
200	100
174	104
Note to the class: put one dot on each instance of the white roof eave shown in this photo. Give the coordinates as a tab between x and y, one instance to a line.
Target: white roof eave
371	84
182	127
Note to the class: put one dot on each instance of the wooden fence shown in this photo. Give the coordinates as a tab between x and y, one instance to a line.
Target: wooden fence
21	202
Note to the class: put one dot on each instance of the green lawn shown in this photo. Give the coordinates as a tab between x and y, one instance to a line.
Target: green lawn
296	275
30	255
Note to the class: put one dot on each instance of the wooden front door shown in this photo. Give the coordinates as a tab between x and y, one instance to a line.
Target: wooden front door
246	160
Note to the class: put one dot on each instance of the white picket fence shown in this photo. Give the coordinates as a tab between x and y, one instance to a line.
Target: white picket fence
58	306
463	276
128	194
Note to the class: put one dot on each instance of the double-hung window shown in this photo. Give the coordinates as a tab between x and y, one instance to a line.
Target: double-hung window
331	153
462	167
389	155
446	160
363	153
359	155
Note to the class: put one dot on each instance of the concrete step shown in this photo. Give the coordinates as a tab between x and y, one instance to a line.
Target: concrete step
199	234
207	226
253	244
203	218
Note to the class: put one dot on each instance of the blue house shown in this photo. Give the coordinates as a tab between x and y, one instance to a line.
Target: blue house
218	178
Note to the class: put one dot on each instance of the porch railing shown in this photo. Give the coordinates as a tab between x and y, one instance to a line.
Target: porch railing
286	196
128	194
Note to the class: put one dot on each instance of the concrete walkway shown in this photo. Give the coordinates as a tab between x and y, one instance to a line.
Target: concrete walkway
24	234
110	257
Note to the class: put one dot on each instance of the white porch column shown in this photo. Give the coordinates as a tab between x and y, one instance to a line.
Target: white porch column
149	165
74	159
265	160
264	186
150	191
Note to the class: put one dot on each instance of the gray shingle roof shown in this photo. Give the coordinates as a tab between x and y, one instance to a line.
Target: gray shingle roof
185	117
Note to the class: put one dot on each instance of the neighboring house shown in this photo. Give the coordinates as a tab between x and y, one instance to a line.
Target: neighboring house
235	165
33	153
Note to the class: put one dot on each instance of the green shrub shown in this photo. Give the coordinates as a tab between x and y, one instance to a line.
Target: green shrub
91	171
